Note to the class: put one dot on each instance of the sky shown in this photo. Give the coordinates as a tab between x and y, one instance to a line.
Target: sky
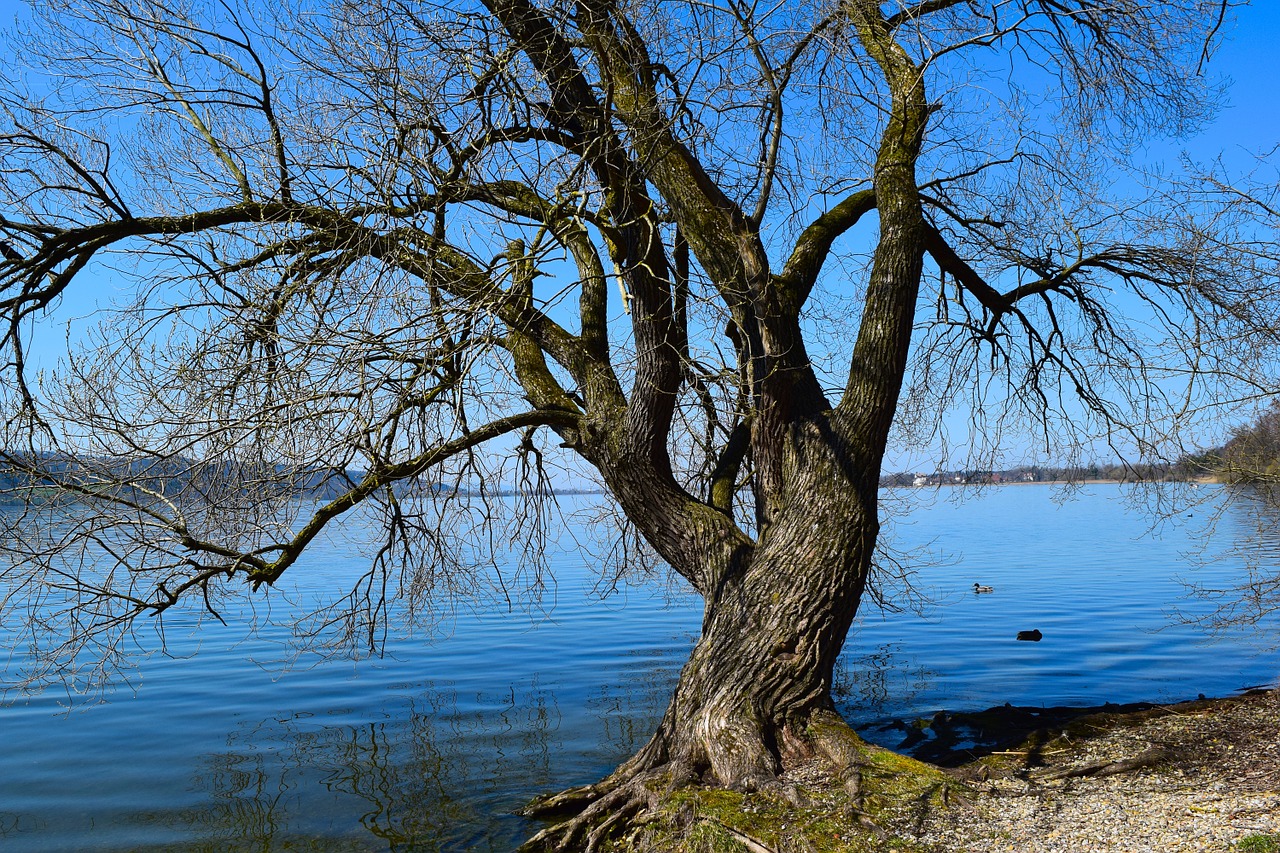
1248	124
1248	56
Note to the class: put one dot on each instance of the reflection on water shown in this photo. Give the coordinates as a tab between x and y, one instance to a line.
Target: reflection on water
439	771
11	824
426	780
430	777
432	747
881	680
1247	533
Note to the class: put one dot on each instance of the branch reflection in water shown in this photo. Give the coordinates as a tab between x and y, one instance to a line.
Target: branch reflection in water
1249	525
430	777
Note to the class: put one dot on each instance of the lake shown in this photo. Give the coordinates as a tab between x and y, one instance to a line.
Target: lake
220	746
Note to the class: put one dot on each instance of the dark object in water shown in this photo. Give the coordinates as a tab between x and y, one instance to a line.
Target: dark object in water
1030	636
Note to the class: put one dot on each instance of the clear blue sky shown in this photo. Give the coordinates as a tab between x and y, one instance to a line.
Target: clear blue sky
1248	55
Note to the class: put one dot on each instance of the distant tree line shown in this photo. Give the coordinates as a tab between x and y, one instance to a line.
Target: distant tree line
1251	455
26	477
1113	471
40	476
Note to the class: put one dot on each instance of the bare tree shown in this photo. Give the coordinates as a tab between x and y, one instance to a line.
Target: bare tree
711	250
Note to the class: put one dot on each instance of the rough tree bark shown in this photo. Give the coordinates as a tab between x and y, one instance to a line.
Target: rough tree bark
760	675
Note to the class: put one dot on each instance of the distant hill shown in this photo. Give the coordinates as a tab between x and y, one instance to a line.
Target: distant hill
24	477
1251	455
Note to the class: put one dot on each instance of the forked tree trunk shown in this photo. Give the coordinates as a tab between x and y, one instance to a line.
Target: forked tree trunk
756	692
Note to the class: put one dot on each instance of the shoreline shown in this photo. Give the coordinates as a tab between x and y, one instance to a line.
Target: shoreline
1201	775
949	738
1085	482
1191	777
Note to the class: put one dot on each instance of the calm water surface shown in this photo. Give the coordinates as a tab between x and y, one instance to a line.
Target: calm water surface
433	745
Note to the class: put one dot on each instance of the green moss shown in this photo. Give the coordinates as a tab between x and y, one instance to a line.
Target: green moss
897	788
894	793
710	838
703	820
1259	844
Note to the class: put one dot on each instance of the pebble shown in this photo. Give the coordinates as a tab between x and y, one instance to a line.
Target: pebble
1220	783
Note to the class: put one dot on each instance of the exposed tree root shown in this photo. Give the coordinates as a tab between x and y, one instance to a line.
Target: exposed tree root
846	791
564	803
602	817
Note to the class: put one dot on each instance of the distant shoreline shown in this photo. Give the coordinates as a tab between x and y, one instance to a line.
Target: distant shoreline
1090	482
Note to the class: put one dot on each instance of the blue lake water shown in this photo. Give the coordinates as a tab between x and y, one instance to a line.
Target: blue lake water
432	746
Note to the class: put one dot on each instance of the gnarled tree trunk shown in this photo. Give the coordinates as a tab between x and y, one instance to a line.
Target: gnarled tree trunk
770	637
755	695
755	683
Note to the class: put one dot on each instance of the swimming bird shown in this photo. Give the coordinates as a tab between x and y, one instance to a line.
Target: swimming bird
979	589
1030	636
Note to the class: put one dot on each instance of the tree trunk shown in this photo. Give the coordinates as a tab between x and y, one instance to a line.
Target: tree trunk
759	678
770	640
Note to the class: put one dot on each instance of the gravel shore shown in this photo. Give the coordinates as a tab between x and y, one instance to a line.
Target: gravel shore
1198	776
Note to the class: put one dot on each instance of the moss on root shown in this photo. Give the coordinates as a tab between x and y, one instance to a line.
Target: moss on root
708	821
811	812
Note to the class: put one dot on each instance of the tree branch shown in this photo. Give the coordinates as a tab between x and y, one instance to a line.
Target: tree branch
800	273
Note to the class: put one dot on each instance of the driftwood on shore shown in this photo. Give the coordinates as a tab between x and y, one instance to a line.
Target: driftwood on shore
1105	767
